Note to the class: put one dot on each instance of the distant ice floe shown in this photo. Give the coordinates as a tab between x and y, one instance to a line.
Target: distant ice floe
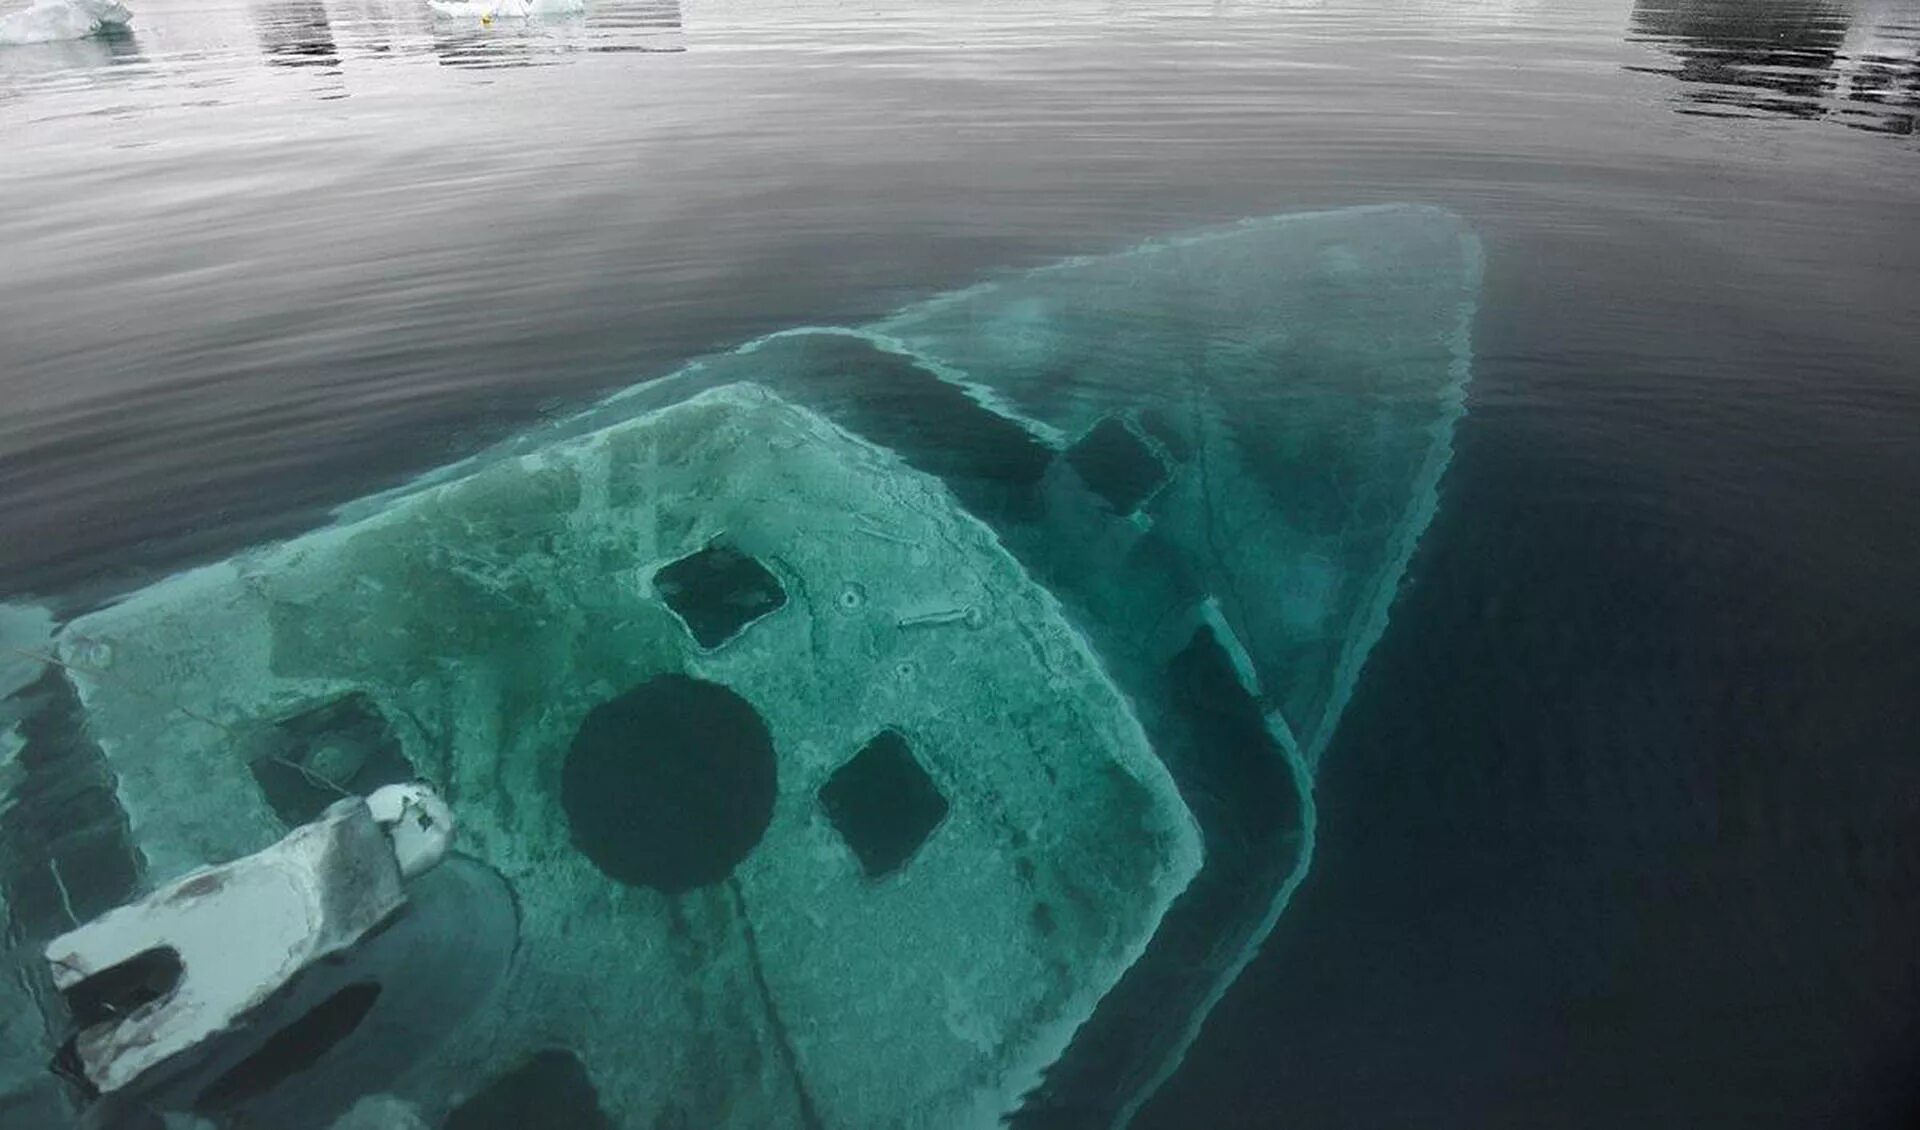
506	9
49	21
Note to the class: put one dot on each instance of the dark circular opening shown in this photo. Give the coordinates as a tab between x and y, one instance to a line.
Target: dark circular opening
670	785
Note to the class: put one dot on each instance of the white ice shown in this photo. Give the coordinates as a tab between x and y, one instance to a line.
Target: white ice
506	9
49	21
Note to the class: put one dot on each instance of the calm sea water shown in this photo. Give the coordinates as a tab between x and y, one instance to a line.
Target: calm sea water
1623	825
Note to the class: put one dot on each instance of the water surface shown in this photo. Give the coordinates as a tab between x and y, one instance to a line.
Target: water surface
1621	824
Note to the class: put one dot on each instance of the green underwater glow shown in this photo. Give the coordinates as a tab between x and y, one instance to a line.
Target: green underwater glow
1081	565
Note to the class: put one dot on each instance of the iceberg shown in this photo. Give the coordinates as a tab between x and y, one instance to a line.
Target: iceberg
50	21
868	725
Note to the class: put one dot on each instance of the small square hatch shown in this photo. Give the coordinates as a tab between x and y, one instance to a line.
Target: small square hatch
883	804
1117	465
718	591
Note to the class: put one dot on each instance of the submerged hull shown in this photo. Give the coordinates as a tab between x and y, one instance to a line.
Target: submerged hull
1047	596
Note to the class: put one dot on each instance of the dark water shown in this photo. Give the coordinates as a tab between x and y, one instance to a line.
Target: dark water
1623	824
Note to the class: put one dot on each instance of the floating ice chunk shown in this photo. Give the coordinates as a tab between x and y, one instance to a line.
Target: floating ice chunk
217	992
417	821
49	21
152	982
489	10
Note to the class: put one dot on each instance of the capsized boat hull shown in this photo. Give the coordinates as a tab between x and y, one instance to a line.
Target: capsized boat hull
1104	545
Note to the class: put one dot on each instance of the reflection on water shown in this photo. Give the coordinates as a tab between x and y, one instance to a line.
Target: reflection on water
296	33
1883	83
648	26
644	26
1806	59
334	40
1854	62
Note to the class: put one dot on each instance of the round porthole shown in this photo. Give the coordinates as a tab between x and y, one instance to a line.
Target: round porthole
670	785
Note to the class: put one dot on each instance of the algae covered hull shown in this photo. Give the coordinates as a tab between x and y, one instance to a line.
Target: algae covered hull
869	726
